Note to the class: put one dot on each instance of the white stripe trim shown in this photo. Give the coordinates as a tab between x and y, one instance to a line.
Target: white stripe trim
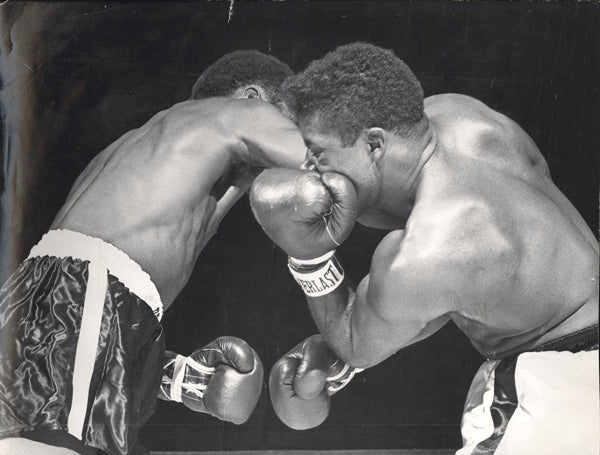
66	243
178	375
87	346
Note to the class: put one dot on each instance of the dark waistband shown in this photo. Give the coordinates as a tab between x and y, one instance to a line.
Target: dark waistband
582	340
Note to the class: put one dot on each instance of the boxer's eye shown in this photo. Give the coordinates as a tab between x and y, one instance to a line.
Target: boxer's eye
315	153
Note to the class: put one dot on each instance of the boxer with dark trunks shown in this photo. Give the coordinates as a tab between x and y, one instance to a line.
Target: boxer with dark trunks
82	345
480	236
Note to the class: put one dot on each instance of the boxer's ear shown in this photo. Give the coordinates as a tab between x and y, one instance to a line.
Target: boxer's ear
376	139
252	91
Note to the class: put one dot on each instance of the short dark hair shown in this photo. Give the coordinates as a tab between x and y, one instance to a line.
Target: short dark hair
354	87
240	68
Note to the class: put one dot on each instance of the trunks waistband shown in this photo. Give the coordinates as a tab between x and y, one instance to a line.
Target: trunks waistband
66	243
582	340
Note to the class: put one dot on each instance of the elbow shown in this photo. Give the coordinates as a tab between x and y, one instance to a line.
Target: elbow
355	350
361	362
358	358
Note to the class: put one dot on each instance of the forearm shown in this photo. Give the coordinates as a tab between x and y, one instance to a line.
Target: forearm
331	299
347	325
332	314
270	139
281	147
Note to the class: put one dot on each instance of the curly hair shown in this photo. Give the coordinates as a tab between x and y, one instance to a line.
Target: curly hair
354	87
240	68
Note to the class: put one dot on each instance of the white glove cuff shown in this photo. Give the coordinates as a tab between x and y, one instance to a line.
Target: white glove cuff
319	276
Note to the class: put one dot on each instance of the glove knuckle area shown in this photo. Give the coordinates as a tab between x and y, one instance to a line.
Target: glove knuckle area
317	354
229	352
270	183
311	367
238	354
340	187
297	385
283	373
285	188
313	192
232	396
311	384
337	181
301	414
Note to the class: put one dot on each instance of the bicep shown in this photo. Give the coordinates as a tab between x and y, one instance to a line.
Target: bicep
393	306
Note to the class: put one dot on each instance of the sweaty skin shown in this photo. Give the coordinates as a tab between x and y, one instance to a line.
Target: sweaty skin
490	243
160	192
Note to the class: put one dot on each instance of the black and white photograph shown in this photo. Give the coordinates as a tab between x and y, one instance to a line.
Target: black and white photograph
241	227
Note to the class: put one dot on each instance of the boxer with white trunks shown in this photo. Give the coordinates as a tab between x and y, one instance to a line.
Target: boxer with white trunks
82	346
480	236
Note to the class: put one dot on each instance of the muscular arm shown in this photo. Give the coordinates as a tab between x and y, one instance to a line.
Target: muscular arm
261	137
266	137
389	310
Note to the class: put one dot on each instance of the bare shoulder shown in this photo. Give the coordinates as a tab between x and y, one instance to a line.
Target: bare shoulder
472	128
435	103
216	110
228	113
199	111
254	112
442	252
453	110
191	126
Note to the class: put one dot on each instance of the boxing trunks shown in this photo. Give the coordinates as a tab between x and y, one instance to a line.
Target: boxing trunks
81	346
541	402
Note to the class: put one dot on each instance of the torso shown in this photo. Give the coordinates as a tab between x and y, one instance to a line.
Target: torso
517	263
149	193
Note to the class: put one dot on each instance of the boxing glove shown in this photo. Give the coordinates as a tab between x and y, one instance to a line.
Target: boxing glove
223	379
302	381
305	213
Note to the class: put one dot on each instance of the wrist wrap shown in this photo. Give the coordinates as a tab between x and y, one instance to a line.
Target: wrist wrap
341	379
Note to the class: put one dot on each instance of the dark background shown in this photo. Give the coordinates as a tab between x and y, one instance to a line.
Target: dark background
111	66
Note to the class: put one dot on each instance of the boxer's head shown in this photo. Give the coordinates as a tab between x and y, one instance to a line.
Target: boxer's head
349	106
243	74
355	87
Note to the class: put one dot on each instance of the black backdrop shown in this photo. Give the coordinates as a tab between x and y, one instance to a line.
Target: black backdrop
113	65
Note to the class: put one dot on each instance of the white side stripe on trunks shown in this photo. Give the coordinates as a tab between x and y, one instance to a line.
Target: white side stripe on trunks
87	345
65	243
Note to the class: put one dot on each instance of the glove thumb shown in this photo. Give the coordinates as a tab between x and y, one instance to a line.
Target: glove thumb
312	373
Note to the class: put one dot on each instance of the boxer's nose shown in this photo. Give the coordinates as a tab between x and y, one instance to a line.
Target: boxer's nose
310	162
